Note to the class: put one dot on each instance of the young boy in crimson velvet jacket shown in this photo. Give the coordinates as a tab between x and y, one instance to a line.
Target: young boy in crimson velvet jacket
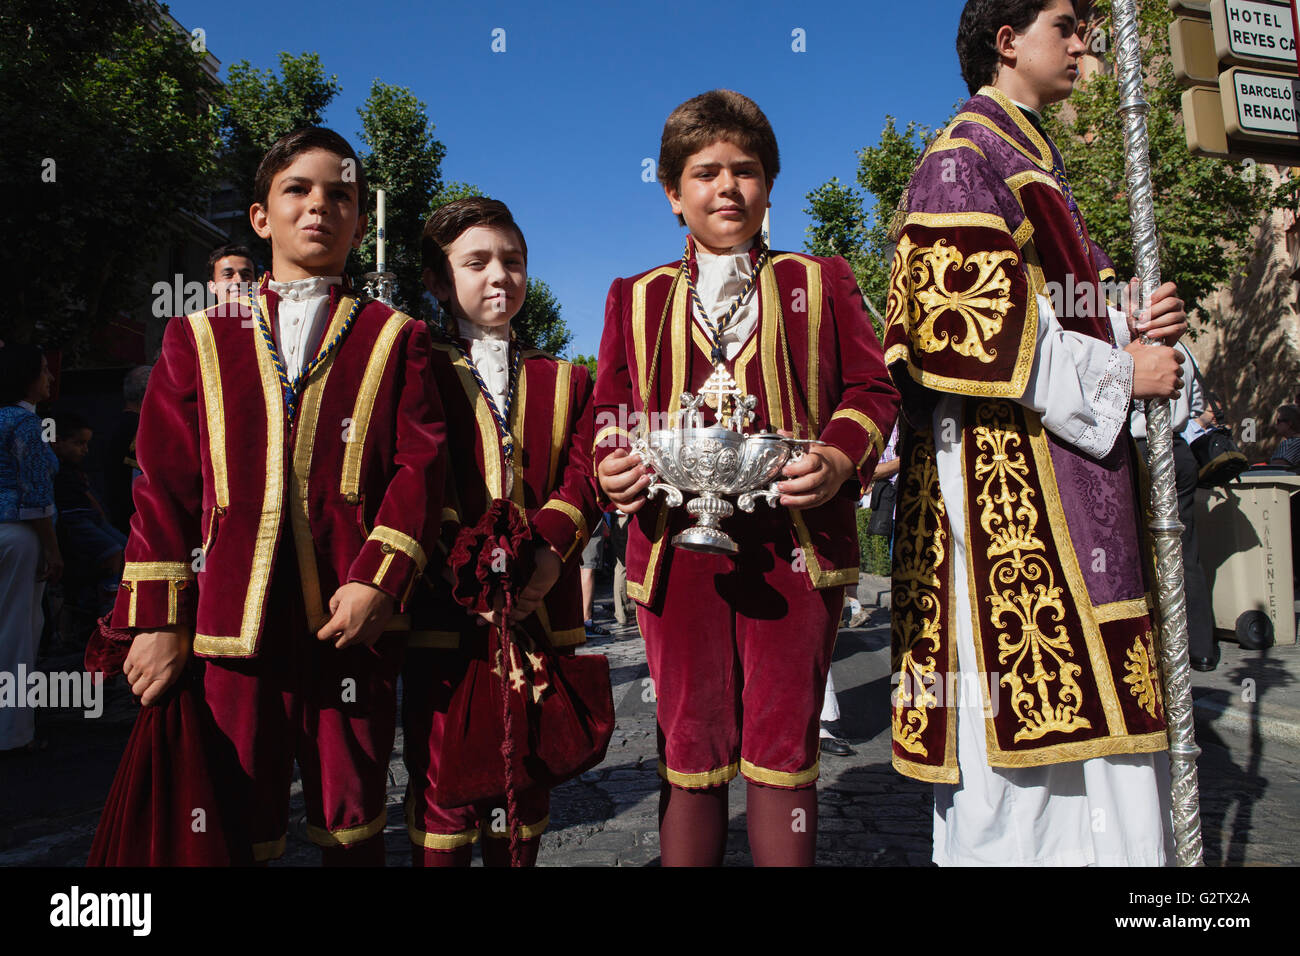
292	458
739	646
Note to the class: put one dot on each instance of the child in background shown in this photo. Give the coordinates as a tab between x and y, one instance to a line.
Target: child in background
92	547
519	426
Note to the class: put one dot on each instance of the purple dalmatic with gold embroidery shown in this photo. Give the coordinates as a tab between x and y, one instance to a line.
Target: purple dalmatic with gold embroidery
1056	569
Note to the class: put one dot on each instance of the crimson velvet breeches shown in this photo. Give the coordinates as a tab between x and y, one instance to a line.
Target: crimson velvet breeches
739	648
334	711
429	678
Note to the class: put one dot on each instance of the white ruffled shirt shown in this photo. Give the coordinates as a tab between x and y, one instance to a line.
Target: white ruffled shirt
489	347
303	311
721	277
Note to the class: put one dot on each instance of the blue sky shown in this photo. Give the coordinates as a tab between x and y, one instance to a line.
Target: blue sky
558	126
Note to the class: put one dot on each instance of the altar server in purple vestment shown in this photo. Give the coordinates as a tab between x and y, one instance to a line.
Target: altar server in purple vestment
1024	640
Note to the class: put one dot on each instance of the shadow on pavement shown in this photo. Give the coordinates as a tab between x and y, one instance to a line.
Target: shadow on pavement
1224	785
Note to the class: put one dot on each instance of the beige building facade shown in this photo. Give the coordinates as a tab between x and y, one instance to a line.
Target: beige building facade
1248	334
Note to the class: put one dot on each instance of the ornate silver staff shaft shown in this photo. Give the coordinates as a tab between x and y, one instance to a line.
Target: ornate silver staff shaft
1165	526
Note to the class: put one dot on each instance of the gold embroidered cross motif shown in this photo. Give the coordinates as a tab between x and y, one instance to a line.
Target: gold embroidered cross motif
1141	676
540	683
982	305
533	677
517	682
1025	602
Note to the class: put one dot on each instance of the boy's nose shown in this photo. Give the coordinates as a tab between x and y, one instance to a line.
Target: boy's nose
728	183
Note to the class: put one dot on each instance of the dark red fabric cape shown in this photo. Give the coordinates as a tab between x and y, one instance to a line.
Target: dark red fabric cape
172	797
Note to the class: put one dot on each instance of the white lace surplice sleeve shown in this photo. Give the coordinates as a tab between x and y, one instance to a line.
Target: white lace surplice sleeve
1081	386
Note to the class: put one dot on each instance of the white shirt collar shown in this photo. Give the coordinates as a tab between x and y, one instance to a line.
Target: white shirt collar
307	288
737	255
1037	116
472	330
23	403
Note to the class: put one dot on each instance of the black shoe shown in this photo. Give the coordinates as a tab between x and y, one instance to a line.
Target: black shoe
835	744
1206	663
836	747
595	630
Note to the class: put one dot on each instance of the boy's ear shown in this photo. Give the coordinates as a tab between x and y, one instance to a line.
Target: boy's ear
1005	44
674	198
437	285
259	219
360	234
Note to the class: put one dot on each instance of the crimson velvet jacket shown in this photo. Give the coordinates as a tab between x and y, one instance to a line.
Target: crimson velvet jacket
814	363
354	480
553	484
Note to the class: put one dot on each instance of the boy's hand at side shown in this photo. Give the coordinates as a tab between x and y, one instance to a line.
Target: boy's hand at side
815	478
545	574
360	613
156	660
624	478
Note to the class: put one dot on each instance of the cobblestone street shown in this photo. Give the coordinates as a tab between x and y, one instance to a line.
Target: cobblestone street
869	814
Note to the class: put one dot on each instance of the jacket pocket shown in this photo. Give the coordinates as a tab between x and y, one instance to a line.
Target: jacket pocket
361	517
209	540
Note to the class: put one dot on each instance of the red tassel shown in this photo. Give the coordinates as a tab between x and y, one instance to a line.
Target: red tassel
508	741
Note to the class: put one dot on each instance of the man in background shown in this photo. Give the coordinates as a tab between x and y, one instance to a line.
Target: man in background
121	468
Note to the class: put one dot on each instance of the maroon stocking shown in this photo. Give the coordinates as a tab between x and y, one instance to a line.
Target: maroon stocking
692	826
460	856
782	825
497	852
366	853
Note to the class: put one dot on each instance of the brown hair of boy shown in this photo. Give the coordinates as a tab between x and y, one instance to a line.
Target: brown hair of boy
707	118
448	221
292	145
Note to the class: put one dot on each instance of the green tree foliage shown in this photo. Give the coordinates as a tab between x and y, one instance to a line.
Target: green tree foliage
841	223
1205	208
449	192
405	161
873	549
539	323
261	107
109	125
587	360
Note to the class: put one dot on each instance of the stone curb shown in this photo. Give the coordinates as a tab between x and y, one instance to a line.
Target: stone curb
1283	729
